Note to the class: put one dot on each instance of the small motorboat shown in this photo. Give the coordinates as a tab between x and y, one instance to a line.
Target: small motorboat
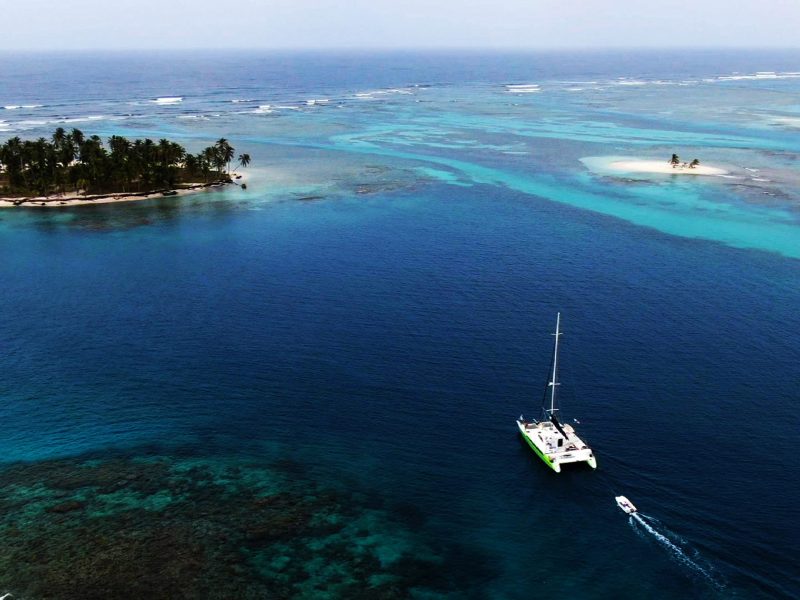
625	504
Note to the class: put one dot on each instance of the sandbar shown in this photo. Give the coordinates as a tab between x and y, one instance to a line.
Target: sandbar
626	165
663	168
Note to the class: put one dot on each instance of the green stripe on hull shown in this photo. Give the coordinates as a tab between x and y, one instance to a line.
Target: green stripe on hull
538	452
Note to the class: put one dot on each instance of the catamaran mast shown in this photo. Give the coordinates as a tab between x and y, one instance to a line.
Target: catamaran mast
553	383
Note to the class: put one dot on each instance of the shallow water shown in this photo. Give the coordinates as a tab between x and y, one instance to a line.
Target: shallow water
376	309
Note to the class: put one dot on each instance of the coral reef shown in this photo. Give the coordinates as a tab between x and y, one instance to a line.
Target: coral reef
166	527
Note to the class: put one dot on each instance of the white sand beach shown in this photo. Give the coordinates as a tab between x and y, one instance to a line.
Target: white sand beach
623	165
74	199
663	167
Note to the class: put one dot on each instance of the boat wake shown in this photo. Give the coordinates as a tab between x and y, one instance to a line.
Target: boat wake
646	523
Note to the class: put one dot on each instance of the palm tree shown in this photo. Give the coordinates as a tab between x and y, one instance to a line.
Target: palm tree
59	140
11	159
211	158
66	151
192	165
694	163
120	161
41	164
59	135
204	162
77	136
674	161
244	160
226	152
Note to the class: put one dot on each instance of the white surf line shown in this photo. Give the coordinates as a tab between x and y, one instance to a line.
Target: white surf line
679	554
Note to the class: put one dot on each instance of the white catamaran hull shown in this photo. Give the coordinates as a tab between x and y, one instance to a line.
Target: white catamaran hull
543	438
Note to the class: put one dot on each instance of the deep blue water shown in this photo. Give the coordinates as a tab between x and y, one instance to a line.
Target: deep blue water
388	333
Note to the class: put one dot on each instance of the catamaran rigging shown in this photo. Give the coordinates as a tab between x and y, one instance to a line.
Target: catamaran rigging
555	443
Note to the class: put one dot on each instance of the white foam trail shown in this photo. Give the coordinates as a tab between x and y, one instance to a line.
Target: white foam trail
676	551
4	596
166	100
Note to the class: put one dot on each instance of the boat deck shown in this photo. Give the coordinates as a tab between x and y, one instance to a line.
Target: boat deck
558	448
549	435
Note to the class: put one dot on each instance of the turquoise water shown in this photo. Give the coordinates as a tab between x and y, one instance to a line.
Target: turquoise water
307	388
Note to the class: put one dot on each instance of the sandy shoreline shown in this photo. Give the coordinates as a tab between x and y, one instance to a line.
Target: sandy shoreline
663	168
74	199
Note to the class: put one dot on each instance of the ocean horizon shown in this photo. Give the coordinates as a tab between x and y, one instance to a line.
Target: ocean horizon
308	388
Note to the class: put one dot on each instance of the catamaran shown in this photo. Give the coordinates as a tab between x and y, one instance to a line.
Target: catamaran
555	443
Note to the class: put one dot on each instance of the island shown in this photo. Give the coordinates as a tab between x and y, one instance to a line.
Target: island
72	169
656	166
616	165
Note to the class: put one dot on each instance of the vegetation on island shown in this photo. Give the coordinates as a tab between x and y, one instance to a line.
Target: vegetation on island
73	162
675	161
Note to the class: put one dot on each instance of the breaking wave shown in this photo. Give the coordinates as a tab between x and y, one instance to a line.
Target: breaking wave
26	124
760	75
167	100
82	119
523	88
377	94
788	122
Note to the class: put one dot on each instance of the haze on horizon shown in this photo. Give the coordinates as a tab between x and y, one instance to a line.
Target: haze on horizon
392	24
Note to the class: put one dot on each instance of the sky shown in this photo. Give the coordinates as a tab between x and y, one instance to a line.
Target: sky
396	24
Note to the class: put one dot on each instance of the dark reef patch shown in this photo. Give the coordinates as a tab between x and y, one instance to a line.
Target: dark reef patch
167	527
